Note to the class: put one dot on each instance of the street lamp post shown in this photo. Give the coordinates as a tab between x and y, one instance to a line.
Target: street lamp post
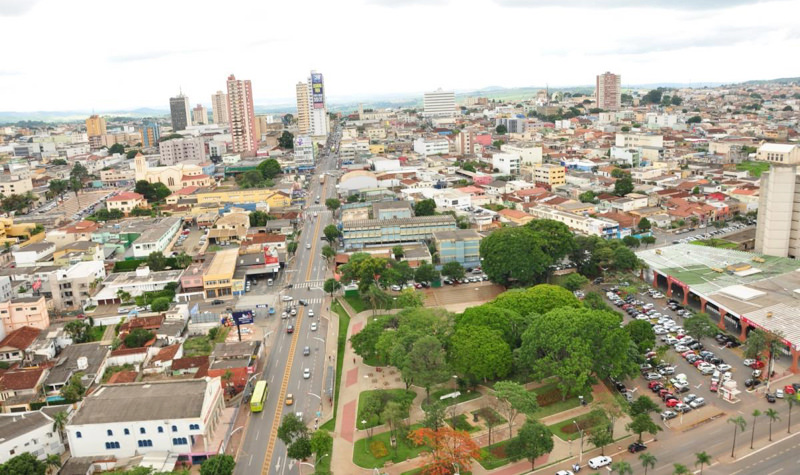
580	455
364	428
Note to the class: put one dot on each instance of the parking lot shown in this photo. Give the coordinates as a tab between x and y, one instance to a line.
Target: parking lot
688	370
686	235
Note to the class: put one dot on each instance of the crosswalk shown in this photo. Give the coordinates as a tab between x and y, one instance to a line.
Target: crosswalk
314	284
310	301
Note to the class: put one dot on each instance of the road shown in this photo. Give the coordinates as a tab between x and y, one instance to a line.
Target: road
261	450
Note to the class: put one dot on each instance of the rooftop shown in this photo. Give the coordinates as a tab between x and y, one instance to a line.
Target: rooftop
143	401
67	362
19	424
378	223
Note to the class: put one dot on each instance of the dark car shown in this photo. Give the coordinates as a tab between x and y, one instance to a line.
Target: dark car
290	329
302	302
657	388
751	383
620	387
217	302
770	398
636	447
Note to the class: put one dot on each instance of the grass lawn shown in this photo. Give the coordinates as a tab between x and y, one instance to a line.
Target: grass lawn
344	322
464	397
96	333
549	398
718	243
755	168
485	412
202	345
357	303
566	430
461	423
397	395
363	457
494	456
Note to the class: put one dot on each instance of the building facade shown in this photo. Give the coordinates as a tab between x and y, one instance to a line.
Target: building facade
242	116
180	113
189	149
439	103
460	245
150	134
26	311
608	91
368	232
219	107
199	115
95	126
303	119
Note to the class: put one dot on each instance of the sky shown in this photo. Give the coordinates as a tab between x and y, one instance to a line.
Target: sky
108	55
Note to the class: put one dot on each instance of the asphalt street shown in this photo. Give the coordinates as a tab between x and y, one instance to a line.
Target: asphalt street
285	363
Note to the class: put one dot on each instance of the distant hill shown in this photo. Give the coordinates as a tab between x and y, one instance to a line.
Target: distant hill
759	82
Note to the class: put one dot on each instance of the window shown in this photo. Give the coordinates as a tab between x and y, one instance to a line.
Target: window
78	435
109	432
174	428
127	432
179	441
145	443
112	445
194	426
160	430
142	430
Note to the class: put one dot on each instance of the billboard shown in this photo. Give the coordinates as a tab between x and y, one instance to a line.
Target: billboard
317	91
238	317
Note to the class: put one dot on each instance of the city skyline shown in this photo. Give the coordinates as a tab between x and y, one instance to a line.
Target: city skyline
699	44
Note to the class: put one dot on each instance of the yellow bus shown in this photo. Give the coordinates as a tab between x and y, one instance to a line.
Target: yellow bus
258	397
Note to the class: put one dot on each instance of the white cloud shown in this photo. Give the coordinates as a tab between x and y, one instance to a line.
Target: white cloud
91	54
16	7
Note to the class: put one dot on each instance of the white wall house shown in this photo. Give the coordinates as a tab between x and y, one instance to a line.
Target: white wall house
28	432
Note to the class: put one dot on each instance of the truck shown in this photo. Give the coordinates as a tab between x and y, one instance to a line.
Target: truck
322	179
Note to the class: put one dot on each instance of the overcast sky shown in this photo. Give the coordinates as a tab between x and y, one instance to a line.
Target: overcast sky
112	55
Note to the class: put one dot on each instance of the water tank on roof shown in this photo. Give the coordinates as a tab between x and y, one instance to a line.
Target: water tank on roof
83	363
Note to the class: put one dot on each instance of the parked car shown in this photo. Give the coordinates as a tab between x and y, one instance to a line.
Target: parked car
636	447
697	402
770	398
598	462
667	415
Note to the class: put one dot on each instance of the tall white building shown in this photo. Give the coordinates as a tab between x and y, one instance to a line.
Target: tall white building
439	103
190	149
219	107
778	227
608	91
242	116
312	109
303	150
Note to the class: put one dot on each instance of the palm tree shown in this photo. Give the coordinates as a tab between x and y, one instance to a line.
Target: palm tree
772	414
622	468
756	413
680	469
738	424
702	459
53	461
60	422
648	460
791	401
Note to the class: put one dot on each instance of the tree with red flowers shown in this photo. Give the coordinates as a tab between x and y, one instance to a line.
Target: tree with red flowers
451	451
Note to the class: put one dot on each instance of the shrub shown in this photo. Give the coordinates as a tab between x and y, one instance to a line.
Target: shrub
552	396
378	449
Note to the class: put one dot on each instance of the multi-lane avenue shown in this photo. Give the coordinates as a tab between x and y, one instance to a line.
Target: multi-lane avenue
283	368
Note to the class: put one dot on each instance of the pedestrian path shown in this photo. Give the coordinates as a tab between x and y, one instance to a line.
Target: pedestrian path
314	284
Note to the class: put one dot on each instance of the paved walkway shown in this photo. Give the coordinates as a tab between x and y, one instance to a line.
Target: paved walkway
358	377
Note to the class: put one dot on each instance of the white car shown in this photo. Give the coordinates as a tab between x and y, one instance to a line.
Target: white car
748	362
724	367
697	402
308	246
310	313
600	461
564	472
287	298
779	393
314	327
293	312
306	373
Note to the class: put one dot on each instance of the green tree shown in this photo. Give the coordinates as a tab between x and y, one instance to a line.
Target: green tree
587	197
642	423
653	96
739	424
676	101
183	260
250	179
533	440
512	400
393	415
623	186
52	461
425	207
539	299
286	140
269	168
434	415
756	413
328	253
333	204
679	469
156	261
58	162
258	218
644	225
160	304
408	298
600	437
647	240
138	337
702	459
515	255
398	252
218	465
508	322
331	286
694	120
631	241
574	281
291	429
558	239
322	442
772	415
426	273
24	464
453	270
132	153
300	449
58	187
643	405
292	247
501	129
648	461
116	148
331	233
619	173
427	363
78	330
642	334
700	326
622	468
74	390
60	422
495	360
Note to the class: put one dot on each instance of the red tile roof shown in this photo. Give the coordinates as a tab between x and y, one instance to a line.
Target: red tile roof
167	353
152	322
21	338
123	377
21	379
127	195
189	362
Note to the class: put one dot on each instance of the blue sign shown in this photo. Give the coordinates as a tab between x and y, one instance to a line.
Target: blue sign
242	317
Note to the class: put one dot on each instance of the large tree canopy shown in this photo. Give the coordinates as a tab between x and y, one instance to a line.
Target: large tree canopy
536	300
480	353
514	255
508	322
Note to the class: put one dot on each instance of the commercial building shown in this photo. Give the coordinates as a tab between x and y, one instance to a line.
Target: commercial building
180	113
506	163
72	288
219	107
124	420
218	277
15	185
199	115
242	116
549	174
431	145
513	125
778	226
459	245
95	126
439	103
312	110
150	132
604	228
530	154
303	109
174	151
24	312
135	283
303	151
126	202
356	234
608	91
203	196
157	237
28	432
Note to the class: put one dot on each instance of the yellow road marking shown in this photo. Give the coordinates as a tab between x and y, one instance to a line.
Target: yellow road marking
276	421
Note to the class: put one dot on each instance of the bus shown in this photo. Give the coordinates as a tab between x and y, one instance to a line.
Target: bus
258	397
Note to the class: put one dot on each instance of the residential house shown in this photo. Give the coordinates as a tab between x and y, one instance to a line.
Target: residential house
126	202
24	312
16	343
30	432
20	387
86	359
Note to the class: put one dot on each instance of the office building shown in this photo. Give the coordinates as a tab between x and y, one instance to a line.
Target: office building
778	227
367	232
513	125
303	151
199	115
219	107
150	134
95	126
312	112
609	92
186	150
303	122
439	103
242	116
179	112
460	245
